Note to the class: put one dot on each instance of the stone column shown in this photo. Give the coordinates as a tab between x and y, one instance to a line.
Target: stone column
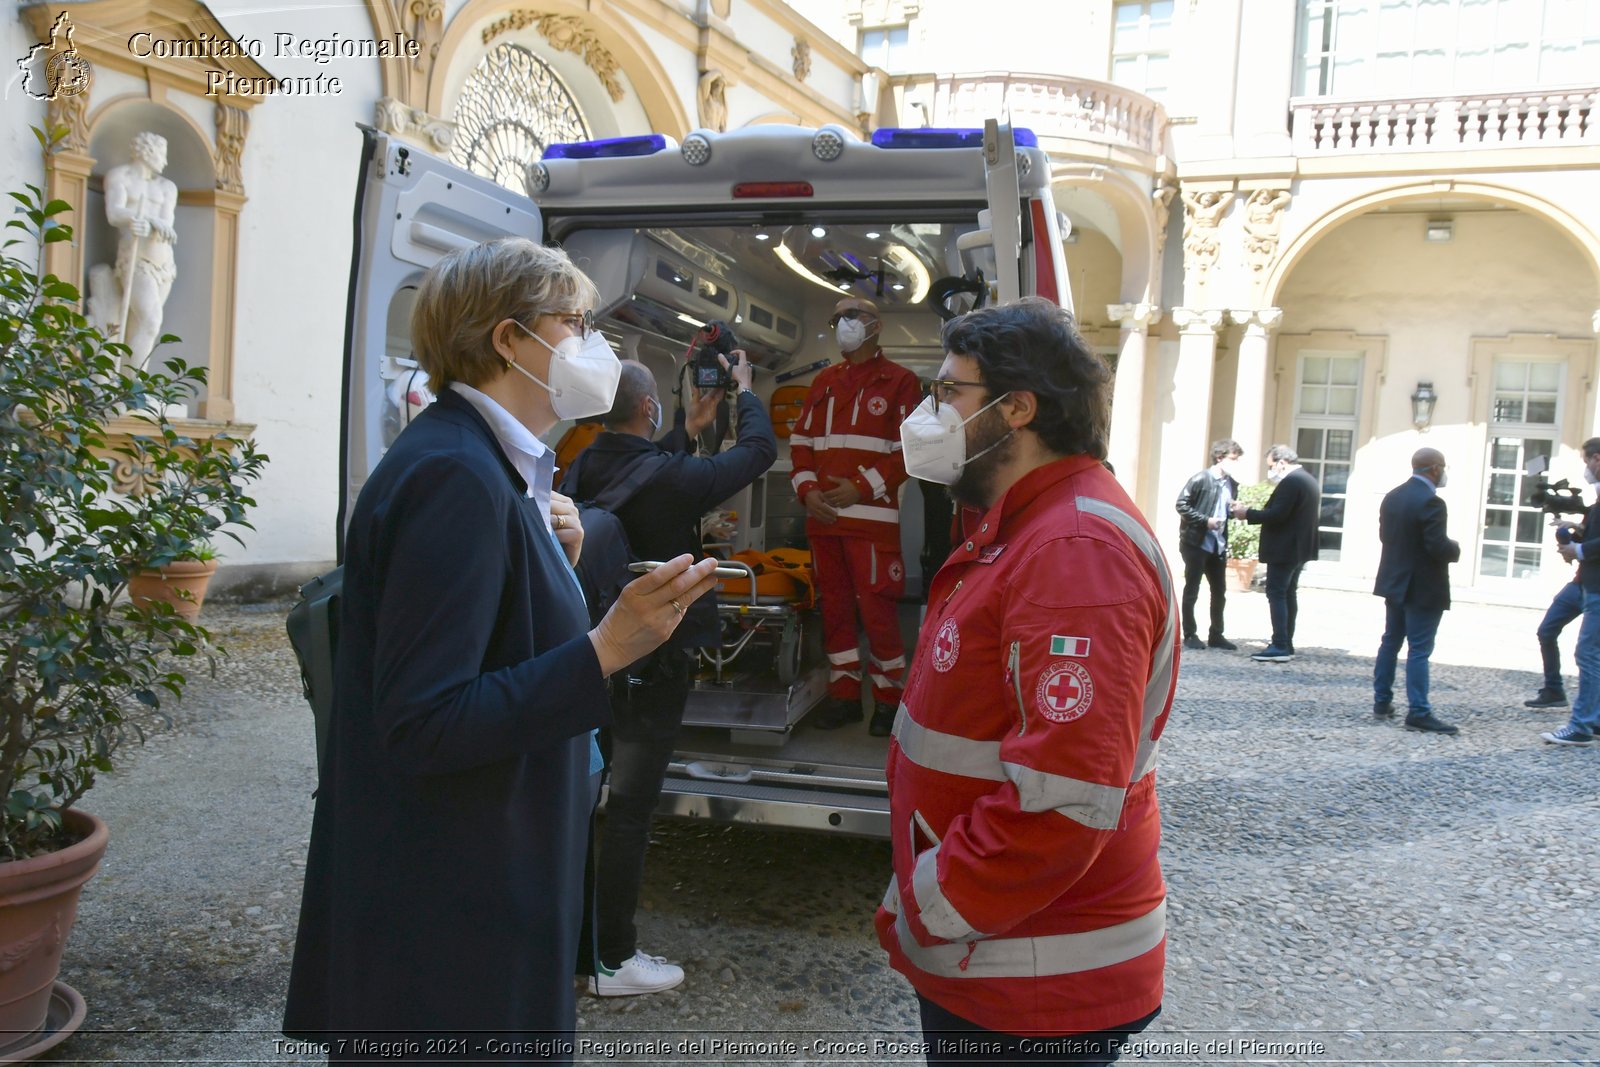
1128	402
1250	389
1184	446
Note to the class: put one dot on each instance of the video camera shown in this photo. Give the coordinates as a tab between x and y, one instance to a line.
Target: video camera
1557	498
714	339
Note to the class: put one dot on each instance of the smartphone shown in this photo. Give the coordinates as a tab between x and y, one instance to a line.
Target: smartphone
721	572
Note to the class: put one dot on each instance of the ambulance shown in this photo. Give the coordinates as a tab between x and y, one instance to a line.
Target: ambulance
763	229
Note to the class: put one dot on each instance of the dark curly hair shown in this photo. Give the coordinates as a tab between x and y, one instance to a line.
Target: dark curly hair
1031	344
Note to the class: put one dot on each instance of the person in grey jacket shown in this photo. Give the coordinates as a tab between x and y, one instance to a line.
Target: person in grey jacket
1203	540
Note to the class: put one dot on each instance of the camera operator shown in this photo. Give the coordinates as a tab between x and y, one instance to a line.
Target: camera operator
1558	499
1582	543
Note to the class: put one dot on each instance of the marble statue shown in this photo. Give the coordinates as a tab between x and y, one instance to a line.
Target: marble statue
127	301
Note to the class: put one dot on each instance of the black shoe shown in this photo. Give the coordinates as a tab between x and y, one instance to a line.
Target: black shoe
1547	698
837	713
1193	643
1384	710
1272	654
1427	723
1222	643
882	724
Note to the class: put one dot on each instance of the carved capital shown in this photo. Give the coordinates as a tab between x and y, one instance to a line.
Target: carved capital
566	33
426	18
1134	316
1197	321
233	126
1257	322
392	116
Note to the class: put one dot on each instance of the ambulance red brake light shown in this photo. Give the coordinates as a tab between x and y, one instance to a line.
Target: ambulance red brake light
771	190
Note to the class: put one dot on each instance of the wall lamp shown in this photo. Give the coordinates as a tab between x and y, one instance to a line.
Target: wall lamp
1422	402
1439	230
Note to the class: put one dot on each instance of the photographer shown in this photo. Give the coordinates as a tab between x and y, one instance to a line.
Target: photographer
1558	499
1582	543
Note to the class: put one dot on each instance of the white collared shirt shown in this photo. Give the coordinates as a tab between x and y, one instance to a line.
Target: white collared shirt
535	462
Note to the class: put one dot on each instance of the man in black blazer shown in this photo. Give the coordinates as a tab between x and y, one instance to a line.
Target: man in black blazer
1414	581
1288	542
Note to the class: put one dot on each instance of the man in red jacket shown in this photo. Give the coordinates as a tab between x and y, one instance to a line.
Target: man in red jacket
847	472
1027	906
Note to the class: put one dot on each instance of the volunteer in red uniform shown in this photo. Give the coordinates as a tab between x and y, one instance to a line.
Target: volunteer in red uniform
1027	907
847	472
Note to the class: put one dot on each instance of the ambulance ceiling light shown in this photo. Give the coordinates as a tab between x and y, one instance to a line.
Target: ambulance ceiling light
819	231
609	147
782	251
873	235
930	137
763	236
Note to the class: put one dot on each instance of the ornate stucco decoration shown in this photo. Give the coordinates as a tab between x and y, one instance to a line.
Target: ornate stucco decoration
1202	212
566	33
713	101
1263	221
427	29
392	116
801	53
1162	196
233	126
71	112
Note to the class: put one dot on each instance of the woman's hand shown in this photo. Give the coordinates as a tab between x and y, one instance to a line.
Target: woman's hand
649	609
567	526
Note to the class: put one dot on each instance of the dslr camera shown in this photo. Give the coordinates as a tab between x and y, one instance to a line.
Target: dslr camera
714	339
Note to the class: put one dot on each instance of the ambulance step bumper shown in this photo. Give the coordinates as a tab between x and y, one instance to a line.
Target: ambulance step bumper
824	811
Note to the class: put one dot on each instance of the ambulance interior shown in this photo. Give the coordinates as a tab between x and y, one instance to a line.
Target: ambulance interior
776	284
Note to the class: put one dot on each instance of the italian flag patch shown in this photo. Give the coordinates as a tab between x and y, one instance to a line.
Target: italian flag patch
1077	647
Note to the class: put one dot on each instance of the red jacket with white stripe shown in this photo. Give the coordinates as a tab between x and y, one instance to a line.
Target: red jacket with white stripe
1027	895
850	427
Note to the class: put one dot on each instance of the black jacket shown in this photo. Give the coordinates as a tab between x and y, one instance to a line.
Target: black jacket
1197	503
1415	566
663	518
444	884
1289	521
1589	566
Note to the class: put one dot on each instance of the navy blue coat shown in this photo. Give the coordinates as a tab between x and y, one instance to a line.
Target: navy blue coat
1415	566
445	876
1289	521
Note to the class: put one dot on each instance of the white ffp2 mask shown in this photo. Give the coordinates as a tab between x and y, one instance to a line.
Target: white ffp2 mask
935	444
851	334
583	374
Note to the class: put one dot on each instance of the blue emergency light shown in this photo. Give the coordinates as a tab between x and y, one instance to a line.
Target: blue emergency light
608	148
931	137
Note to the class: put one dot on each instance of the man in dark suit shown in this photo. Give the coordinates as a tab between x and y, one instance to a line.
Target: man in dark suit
1414	581
1288	542
1584	546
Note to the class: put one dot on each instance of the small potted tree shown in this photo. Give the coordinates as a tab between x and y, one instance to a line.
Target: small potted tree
80	665
1244	539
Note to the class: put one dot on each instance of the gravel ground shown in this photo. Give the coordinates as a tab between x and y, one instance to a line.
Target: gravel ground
1342	890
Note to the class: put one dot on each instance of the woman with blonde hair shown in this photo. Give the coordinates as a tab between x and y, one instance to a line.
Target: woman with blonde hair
444	882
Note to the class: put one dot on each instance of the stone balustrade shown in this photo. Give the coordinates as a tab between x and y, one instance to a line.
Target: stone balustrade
1052	106
1322	126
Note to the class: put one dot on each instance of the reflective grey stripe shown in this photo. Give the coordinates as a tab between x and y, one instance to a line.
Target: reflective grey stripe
891	896
939	915
1096	806
1161	668
946	752
1031	957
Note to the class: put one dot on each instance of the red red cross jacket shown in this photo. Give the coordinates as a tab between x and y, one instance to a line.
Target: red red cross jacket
850	427
1027	895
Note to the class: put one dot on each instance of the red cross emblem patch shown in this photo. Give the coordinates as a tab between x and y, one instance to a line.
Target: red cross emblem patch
1065	692
877	405
946	646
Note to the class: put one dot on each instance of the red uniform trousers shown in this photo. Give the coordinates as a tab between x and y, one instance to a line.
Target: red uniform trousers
856	577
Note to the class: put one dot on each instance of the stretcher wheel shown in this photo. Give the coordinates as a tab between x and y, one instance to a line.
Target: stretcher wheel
788	658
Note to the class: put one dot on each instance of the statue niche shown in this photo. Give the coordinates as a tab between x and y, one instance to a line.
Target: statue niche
126	301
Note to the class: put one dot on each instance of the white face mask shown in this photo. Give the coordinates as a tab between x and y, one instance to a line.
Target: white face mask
1444	479
583	374
851	334
935	445
655	420
1590	477
1276	473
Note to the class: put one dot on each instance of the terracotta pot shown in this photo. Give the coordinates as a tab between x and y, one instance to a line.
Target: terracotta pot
1241	574
166	585
38	902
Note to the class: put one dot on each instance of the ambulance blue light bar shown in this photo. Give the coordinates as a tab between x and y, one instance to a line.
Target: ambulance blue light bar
608	148
930	137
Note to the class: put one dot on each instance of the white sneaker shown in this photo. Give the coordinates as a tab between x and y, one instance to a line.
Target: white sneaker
640	974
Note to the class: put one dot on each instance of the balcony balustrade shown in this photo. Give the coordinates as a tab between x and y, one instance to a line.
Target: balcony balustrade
1052	106
1322	127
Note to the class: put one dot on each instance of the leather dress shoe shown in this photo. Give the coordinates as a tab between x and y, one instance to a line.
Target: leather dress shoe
1223	643
882	724
1384	710
1428	723
837	713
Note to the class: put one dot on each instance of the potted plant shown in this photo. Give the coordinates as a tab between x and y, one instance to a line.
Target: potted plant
1244	539
181	583
80	665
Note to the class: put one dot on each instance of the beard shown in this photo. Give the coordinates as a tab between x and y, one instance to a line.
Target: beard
975	485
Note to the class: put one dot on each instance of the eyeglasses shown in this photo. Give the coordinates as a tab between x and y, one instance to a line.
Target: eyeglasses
939	390
579	322
850	313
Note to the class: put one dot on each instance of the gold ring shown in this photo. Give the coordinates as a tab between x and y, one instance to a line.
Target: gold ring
677	607
560	522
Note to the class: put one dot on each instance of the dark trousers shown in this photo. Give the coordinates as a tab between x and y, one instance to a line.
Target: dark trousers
1417	627
1567	605
1283	601
952	1039
1213	567
647	709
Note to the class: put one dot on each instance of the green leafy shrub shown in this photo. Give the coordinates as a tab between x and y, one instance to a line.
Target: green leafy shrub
1244	539
79	666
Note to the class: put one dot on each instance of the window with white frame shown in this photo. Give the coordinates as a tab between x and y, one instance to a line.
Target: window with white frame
1326	414
1357	48
1524	423
1141	46
886	47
